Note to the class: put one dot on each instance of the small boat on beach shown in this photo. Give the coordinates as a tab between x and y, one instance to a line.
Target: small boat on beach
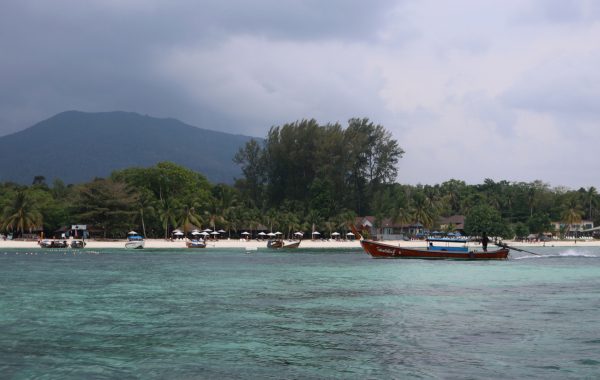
196	243
77	244
134	241
280	244
51	243
437	249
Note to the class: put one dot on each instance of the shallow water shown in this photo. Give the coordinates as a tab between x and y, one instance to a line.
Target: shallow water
298	314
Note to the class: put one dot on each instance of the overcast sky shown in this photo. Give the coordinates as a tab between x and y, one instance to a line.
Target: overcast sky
470	89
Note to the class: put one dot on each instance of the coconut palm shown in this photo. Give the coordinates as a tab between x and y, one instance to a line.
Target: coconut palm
214	213
21	215
345	219
187	217
167	215
144	206
571	214
424	211
590	197
329	226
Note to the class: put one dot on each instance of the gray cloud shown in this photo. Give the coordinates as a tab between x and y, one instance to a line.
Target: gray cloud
451	80
565	87
101	55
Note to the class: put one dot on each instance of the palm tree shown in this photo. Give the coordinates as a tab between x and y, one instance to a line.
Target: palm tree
290	221
330	226
424	211
270	219
21	215
188	216
252	219
590	197
572	214
144	204
345	219
167	216
401	215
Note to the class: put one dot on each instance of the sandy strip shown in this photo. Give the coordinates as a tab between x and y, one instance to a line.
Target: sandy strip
314	244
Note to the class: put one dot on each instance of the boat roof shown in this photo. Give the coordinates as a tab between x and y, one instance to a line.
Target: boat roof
449	240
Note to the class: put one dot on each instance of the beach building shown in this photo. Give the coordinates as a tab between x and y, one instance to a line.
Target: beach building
584	228
386	229
78	231
453	223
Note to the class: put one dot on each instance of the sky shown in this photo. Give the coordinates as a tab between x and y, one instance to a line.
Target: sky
470	89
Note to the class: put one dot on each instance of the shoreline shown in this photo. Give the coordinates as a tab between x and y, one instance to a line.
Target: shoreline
306	244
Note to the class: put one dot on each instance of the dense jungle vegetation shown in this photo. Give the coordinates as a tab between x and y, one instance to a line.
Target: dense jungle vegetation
304	175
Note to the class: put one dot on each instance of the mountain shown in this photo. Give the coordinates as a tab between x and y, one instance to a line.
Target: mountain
78	146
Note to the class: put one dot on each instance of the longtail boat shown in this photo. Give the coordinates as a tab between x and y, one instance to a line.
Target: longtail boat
280	244
77	244
196	243
51	243
437	249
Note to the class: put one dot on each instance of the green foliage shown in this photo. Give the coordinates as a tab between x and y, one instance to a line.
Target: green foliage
521	230
485	219
21	214
105	204
539	223
322	167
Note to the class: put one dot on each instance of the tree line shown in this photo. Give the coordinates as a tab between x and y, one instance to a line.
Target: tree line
303	175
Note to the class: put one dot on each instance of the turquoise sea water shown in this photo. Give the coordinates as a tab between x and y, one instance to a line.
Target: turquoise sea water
309	314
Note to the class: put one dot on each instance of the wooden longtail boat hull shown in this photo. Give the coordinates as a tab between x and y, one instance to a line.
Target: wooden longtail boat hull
53	244
385	251
195	244
279	244
78	244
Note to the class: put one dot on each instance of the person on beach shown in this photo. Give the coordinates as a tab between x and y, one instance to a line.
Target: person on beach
484	241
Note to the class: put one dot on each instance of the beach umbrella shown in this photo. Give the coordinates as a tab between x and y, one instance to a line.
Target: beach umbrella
349	234
214	233
278	233
271	234
245	233
262	233
207	230
221	231
316	233
204	233
196	233
132	233
335	234
299	233
178	233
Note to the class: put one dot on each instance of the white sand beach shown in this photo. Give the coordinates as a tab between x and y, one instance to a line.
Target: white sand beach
306	244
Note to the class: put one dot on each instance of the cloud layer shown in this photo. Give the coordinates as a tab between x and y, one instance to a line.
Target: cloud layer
471	89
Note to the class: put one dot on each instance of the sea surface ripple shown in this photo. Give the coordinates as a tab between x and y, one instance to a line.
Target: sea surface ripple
310	314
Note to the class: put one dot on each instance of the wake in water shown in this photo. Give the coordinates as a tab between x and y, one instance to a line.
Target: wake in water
566	253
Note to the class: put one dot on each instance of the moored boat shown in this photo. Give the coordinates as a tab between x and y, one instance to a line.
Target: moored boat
51	243
280	244
134	240
196	243
77	244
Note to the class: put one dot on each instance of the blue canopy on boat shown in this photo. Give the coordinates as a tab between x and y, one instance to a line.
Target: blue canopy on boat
448	240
